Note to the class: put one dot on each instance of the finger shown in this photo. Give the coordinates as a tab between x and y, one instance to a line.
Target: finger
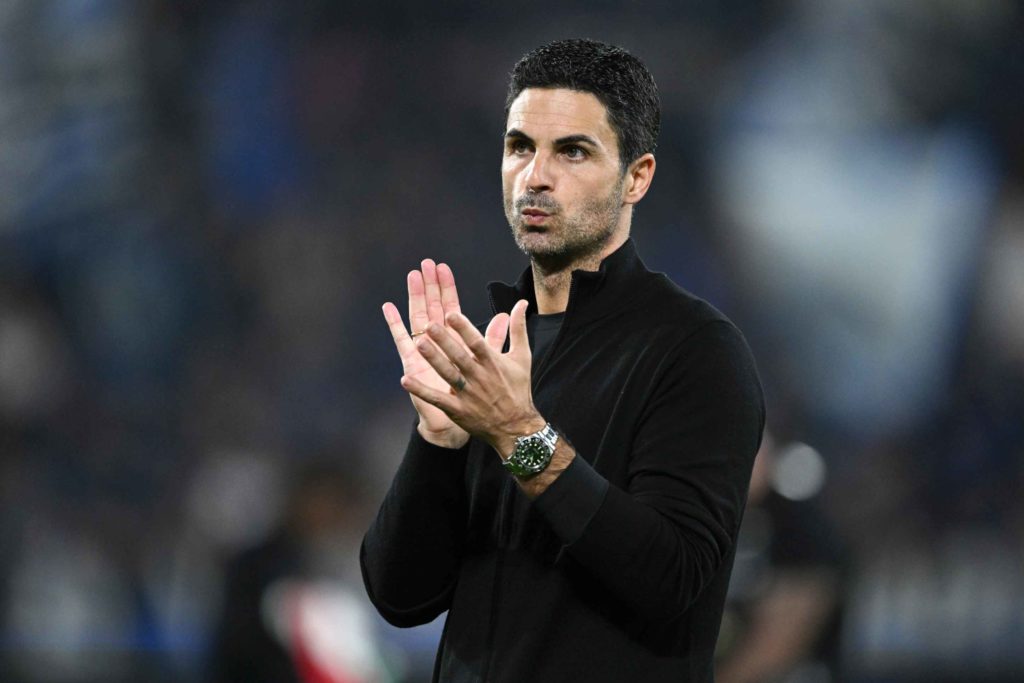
497	331
452	349
471	336
418	319
435	355
520	342
449	294
446	401
403	342
435	311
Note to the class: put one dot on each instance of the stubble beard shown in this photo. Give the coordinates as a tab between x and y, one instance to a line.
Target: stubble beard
566	240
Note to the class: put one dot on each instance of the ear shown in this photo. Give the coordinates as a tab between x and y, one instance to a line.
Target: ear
638	178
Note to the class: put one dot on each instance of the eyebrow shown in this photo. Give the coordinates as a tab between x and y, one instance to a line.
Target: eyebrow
515	133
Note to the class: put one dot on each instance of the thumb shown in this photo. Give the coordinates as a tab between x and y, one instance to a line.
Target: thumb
520	342
497	330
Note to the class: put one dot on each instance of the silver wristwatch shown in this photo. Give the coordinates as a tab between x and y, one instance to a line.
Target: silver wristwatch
532	452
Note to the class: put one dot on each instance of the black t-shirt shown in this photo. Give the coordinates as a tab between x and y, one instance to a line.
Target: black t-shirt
542	330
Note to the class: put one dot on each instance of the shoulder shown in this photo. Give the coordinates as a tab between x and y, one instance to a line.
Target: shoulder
695	339
661	306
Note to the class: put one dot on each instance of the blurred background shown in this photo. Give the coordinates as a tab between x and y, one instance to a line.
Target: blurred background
203	205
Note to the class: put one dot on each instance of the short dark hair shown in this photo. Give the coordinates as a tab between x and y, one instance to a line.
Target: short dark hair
618	79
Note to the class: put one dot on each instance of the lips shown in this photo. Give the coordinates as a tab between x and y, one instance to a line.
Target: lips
535	217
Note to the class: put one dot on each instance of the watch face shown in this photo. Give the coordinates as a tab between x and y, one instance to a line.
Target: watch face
533	448
532	452
531	455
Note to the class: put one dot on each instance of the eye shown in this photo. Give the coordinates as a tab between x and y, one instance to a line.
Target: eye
518	147
574	152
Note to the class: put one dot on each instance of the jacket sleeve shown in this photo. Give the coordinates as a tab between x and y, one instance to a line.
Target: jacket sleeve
410	554
659	542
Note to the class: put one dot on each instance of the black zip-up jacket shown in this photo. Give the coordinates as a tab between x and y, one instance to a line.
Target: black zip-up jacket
618	571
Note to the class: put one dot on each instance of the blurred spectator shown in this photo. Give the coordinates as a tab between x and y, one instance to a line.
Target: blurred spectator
35	359
292	609
782	617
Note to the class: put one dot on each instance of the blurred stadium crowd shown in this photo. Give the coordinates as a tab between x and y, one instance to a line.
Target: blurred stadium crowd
204	204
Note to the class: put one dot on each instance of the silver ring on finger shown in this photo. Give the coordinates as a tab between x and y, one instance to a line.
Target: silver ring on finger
459	384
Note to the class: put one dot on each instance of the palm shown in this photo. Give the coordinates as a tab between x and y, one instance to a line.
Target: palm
414	365
432	295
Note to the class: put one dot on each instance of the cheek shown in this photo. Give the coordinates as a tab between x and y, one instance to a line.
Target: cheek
601	188
507	185
508	173
577	190
512	179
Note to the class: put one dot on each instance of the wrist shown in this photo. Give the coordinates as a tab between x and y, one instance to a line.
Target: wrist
445	438
532	453
505	440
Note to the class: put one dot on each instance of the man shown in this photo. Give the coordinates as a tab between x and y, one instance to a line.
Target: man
572	501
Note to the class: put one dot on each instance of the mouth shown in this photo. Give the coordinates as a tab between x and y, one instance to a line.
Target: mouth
535	216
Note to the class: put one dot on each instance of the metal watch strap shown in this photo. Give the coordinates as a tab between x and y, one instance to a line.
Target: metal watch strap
532	452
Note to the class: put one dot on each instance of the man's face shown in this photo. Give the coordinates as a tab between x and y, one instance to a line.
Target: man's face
561	177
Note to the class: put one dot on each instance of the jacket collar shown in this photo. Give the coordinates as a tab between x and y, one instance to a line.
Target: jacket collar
592	294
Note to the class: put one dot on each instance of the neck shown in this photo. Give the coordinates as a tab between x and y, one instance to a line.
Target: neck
552	277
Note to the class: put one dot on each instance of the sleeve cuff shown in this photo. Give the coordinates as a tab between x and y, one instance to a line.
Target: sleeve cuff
572	500
424	460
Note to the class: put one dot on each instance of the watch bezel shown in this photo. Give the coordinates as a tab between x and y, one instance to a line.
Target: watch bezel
532	453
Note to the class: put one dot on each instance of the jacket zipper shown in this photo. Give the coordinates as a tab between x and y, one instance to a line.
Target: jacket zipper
505	508
492	621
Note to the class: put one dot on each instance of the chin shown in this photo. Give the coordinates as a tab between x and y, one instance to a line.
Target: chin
538	244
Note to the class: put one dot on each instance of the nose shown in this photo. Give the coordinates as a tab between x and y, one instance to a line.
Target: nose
539	173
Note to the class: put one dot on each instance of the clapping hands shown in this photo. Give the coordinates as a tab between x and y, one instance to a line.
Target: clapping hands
460	381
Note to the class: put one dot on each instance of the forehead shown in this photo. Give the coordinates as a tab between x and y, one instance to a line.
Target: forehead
559	112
